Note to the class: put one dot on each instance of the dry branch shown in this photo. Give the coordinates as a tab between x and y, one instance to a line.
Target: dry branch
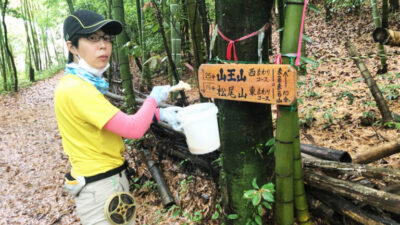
384	174
380	199
373	87
378	152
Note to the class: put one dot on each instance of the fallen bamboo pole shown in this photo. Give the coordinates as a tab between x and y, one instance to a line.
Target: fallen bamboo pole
373	87
162	187
326	153
386	36
346	208
378	152
384	174
380	199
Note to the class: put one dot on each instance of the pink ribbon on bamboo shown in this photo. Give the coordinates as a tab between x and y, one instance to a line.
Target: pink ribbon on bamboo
231	44
297	62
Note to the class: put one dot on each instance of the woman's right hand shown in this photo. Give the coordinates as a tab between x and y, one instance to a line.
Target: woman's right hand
160	93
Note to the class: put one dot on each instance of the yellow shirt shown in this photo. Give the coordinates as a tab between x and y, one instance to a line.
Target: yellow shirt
82	111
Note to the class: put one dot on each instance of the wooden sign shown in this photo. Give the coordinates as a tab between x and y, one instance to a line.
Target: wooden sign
264	83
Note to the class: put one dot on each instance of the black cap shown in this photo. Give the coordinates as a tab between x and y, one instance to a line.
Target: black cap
87	22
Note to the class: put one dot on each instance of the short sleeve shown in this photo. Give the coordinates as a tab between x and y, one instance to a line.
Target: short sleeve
92	107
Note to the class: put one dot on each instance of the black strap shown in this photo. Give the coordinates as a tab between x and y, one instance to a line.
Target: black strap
155	120
106	174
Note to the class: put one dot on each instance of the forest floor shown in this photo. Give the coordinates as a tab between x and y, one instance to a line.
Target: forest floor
334	98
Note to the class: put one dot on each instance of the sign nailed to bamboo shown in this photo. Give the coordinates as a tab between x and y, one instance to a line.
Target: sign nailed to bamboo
264	83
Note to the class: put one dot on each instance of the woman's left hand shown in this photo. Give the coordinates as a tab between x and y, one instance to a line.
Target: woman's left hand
170	116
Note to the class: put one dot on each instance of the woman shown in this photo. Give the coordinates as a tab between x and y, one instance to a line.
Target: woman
91	127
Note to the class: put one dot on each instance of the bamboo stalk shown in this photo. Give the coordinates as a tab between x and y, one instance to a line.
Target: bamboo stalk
378	152
326	153
348	209
386	36
284	168
384	174
373	87
162	187
380	199
377	22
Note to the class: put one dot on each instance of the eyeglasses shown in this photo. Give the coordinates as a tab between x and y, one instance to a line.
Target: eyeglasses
96	38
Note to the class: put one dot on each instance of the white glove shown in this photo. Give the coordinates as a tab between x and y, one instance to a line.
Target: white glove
170	116
160	93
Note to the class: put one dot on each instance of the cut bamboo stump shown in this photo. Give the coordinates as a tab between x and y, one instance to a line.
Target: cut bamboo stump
379	152
373	87
384	174
326	153
380	199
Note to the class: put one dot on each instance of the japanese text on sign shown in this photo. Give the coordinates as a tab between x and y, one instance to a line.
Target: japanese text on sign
264	83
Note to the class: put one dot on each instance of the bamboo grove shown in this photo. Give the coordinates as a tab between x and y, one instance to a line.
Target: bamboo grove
168	38
36	39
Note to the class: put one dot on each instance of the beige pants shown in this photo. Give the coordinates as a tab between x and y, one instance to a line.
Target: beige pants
92	199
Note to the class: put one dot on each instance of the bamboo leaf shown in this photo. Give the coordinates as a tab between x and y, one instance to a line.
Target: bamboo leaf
233	216
258	219
269	186
215	216
256	200
268	196
254	183
249	194
270	142
307	60
267	205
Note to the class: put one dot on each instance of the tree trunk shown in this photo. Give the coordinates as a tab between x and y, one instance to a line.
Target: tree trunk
243	125
385	13
381	48
196	34
3	59
380	199
33	36
70	6
169	55
118	9
205	24
146	77
176	39
373	87
394	5
6	45
378	152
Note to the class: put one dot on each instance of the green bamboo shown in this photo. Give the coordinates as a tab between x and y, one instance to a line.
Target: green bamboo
205	25
377	22
196	35
290	40
2	59
146	76
243	125
176	37
33	36
70	6
7	47
118	10
284	167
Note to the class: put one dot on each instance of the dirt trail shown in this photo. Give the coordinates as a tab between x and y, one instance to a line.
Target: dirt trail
32	162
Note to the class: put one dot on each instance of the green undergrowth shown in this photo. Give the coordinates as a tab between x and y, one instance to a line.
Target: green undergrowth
24	82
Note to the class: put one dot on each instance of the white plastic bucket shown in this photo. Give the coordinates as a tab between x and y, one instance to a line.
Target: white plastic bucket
200	126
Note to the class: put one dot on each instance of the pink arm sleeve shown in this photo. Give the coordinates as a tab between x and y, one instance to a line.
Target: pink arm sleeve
134	126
